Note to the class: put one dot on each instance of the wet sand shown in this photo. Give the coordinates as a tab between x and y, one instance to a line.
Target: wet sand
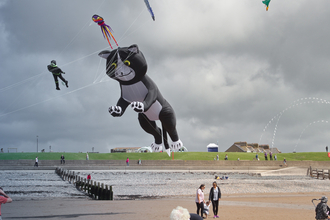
271	206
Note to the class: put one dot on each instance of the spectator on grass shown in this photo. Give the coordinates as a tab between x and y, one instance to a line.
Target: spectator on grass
36	162
226	157
127	161
62	159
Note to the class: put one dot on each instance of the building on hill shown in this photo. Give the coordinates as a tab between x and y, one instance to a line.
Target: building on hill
212	147
125	149
251	148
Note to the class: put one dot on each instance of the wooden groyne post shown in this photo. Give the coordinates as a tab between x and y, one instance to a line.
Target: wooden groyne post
92	188
318	173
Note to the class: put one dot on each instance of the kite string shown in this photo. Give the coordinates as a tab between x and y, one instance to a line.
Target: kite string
79	32
97	74
20	94
74	38
302	132
123	35
29	106
19	83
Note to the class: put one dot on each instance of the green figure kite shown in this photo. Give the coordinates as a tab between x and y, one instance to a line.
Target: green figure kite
266	2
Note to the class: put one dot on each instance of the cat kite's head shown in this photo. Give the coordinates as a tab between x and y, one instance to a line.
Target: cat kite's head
127	65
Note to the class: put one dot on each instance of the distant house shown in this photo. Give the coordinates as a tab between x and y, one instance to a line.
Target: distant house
251	148
125	149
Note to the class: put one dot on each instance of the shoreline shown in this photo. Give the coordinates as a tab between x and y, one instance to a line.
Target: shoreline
251	206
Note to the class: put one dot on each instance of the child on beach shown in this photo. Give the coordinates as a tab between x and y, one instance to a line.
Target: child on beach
206	208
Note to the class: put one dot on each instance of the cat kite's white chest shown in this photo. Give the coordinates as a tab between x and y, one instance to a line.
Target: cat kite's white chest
137	92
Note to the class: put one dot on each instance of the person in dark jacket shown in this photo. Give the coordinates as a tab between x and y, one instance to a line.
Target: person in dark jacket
214	197
57	73
321	209
62	159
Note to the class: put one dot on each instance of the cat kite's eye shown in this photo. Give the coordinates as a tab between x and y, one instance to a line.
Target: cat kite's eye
127	63
114	65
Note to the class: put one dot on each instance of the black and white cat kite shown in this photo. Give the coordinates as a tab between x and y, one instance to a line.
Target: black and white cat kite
128	66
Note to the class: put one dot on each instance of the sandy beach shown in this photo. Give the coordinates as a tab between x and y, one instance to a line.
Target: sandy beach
247	206
154	194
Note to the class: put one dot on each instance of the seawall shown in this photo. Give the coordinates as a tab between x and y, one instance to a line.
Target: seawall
158	165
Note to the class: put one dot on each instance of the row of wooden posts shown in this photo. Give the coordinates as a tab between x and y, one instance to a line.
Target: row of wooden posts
94	189
318	173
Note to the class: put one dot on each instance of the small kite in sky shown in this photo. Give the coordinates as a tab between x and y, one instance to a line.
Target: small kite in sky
150	9
266	2
106	29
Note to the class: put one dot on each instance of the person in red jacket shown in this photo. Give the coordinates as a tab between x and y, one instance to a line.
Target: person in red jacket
4	199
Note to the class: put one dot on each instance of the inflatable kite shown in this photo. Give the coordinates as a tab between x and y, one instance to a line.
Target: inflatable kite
266	2
149	9
106	29
57	73
128	66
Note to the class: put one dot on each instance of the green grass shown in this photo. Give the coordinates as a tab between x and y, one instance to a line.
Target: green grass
314	156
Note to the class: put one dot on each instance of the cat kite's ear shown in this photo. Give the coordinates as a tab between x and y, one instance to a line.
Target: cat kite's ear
104	54
133	48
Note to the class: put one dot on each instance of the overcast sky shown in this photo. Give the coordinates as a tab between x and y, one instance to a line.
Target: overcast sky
231	70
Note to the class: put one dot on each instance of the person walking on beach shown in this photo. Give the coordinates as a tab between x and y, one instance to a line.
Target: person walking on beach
321	209
200	199
214	197
62	159
4	199
89	177
36	163
127	161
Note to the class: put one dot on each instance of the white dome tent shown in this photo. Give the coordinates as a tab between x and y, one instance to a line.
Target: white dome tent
212	147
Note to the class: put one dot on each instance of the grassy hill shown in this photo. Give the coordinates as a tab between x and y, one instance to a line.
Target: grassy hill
314	156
